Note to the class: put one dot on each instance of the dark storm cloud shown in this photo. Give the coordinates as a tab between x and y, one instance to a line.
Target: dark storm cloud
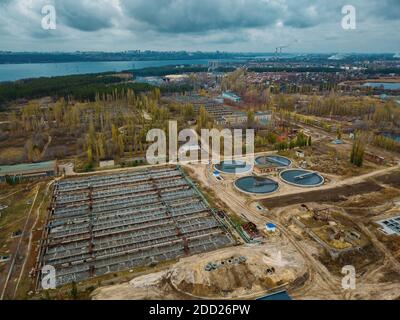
86	15
386	9
199	24
183	16
193	16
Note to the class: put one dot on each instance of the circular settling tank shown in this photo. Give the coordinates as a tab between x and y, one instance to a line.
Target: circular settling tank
302	178
273	162
233	167
257	185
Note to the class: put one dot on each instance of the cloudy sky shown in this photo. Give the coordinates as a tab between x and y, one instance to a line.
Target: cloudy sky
207	25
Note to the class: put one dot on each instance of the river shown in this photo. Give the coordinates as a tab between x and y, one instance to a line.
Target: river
385	85
12	72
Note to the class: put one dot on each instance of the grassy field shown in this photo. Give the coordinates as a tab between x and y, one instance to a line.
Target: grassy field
12	219
26	210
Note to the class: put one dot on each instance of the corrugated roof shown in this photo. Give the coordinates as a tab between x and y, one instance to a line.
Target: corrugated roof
27	168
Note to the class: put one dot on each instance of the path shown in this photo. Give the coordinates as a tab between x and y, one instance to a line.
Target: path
16	253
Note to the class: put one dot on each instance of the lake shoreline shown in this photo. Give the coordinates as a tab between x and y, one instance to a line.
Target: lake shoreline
16	72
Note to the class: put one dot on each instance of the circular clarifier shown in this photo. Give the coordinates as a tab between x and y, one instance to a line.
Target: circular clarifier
273	162
233	167
256	185
302	178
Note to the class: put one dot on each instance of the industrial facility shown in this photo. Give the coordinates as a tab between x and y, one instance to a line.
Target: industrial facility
28	171
108	223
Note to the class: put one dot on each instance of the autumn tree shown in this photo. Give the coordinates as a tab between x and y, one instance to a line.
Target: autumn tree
357	152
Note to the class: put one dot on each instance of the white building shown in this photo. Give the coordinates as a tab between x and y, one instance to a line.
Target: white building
231	96
107	164
300	154
262	117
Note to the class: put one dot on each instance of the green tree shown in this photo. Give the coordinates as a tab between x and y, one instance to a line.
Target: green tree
74	291
339	133
202	119
357	152
271	138
188	112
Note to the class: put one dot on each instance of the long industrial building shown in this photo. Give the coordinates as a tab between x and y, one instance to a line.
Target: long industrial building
28	171
109	223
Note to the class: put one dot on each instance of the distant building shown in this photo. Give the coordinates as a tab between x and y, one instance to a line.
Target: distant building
213	65
337	142
216	174
107	164
277	296
374	158
189	148
219	100
28	171
196	100
270	227
236	118
231	96
262	117
4	125
384	97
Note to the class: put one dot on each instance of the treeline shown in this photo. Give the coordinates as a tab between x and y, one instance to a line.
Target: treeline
260	93
42	57
85	87
387	116
167	70
81	87
136	55
300	141
386	143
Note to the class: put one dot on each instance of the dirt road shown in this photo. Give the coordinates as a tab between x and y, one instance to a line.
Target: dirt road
240	206
21	247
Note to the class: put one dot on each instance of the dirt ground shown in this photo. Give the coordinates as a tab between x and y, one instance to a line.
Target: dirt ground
25	214
333	195
190	280
300	264
336	189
